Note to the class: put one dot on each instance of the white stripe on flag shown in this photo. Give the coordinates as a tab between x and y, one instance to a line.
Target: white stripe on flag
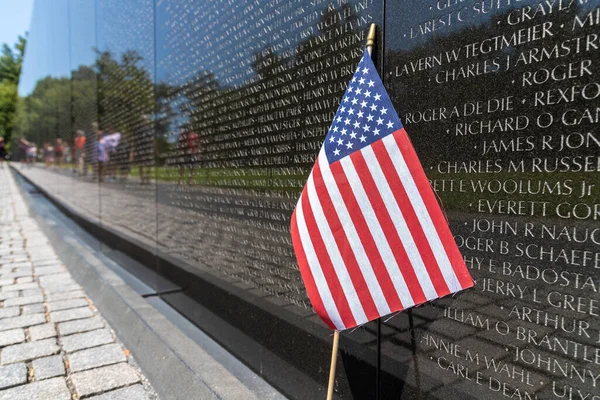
364	264
377	233
395	213
334	254
315	269
422	214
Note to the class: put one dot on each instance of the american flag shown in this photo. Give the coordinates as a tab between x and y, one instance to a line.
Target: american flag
368	232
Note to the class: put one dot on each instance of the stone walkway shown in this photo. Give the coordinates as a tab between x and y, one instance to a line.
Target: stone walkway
54	344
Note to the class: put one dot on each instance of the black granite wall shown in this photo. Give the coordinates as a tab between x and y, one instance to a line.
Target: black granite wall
221	107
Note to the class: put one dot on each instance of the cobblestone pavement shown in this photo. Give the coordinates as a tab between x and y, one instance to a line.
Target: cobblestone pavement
54	344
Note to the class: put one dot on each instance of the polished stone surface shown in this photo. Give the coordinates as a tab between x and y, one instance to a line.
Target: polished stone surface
503	112
221	108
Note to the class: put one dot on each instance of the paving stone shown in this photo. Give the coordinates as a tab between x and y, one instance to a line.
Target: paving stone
66	304
33	309
17	273
74	313
40	332
9	312
25	279
80	325
65	295
28	351
103	379
48	367
62	288
85	340
12	337
12	375
19	286
20	301
8	295
22	321
43	271
31	292
135	392
96	357
43	263
51	389
64	276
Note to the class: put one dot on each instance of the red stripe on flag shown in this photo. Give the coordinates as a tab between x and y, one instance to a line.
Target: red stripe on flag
307	277
438	218
385	221
403	201
385	282
360	285
339	297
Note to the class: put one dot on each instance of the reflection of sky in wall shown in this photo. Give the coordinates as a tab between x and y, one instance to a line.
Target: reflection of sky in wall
223	37
47	51
228	25
82	21
410	13
124	26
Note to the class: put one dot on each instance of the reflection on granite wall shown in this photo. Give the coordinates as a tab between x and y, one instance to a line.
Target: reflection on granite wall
504	111
191	126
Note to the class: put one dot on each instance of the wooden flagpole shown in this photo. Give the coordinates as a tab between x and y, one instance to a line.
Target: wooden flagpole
334	351
336	334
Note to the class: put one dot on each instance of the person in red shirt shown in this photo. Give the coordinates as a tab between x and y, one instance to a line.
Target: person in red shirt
79	152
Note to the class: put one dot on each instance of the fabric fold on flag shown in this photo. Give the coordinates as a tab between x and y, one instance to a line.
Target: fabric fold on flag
369	235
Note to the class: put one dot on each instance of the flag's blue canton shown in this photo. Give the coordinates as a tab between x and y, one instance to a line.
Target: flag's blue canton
365	114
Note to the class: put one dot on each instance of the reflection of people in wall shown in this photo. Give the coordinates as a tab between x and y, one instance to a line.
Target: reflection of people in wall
48	154
79	152
100	155
59	152
23	145
189	144
2	152
111	142
31	155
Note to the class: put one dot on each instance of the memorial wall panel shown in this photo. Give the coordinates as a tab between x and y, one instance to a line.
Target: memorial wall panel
59	145
501	100
245	95
203	119
125	79
84	109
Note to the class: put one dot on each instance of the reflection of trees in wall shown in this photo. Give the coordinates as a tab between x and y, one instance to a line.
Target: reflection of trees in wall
45	110
125	90
117	92
430	140
10	70
204	105
109	89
